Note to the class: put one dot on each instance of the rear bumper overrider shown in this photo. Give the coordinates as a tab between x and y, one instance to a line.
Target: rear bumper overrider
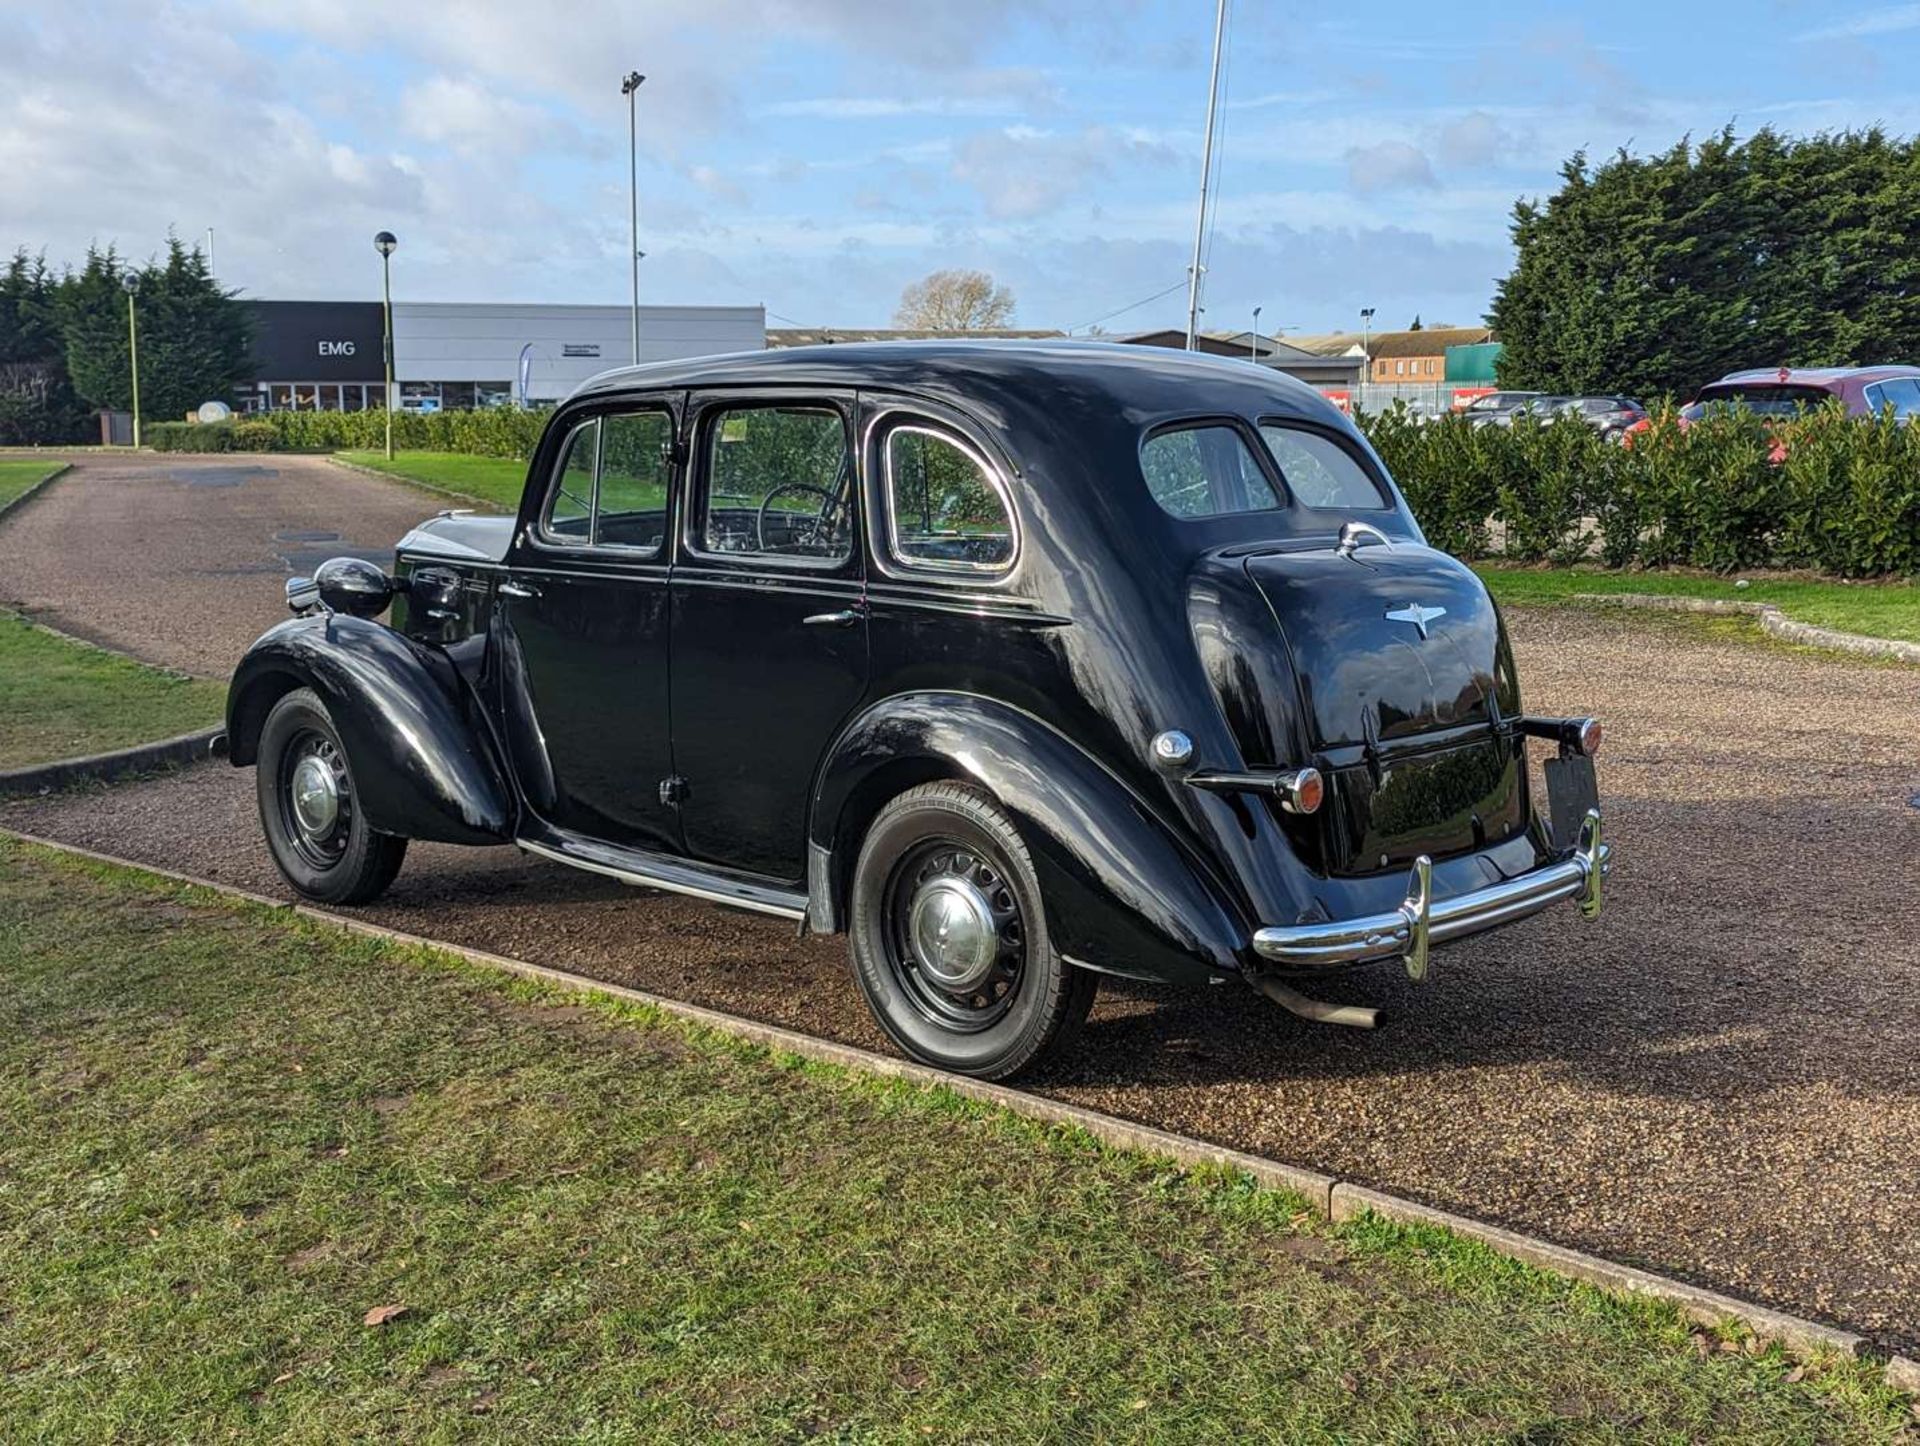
1422	920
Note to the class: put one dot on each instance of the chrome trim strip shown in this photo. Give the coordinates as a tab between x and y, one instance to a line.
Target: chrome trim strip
1424	920
670	885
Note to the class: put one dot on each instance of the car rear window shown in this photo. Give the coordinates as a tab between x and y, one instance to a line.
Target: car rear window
1319	472
1205	471
1768	400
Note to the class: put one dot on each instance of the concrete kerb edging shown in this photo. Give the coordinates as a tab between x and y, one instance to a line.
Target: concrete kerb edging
8	509
1772	621
62	773
1802	1337
1332	1198
480	504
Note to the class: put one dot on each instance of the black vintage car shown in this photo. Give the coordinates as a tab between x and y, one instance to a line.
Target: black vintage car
1017	664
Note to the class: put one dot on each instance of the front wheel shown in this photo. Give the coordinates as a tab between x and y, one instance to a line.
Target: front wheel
949	938
309	810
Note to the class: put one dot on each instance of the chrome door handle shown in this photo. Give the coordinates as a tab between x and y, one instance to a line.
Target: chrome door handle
845	618
519	589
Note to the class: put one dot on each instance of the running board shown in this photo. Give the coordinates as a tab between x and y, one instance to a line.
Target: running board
676	876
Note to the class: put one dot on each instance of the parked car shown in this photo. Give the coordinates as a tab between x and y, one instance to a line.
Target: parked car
1609	416
1787	391
1496	406
1017	664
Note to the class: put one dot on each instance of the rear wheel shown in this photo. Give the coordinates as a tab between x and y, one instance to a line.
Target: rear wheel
950	942
319	837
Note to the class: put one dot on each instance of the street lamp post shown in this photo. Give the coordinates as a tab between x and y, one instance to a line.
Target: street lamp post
1366	354
131	282
384	242
1253	337
630	87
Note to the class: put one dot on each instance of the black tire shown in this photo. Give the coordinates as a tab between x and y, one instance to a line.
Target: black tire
346	862
949	839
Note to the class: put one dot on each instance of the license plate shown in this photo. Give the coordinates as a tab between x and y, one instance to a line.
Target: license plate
1571	791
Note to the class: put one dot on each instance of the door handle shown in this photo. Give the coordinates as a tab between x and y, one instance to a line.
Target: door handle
845	618
519	589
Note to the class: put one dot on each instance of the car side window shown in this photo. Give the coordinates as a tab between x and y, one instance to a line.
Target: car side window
946	508
1205	471
779	483
569	514
1319	472
630	499
610	489
1902	394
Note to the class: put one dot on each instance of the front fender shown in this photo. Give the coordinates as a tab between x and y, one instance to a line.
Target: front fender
1123	893
422	764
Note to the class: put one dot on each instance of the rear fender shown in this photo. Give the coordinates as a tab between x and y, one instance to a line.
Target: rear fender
423	765
1123	894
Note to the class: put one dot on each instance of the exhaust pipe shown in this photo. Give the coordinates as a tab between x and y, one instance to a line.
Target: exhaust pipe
1354	1016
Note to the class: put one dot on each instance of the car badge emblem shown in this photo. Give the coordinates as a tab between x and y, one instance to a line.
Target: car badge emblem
1417	615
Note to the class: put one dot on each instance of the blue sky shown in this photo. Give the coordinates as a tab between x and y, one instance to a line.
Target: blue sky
817	155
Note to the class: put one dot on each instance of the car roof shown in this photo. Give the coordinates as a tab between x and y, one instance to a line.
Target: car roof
1825	377
1145	380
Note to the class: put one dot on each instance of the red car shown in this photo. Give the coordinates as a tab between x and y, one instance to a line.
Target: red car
1786	391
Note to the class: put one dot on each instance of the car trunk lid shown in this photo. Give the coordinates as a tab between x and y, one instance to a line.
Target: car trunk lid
1405	691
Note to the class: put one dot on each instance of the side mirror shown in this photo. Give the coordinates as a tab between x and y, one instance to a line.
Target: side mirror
353	586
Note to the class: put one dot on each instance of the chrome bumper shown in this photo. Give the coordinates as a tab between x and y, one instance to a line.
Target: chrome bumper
1423	920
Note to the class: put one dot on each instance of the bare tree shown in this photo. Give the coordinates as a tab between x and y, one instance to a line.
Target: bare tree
954	301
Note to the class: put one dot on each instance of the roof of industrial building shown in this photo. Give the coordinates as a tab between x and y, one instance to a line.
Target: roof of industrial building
786	336
1428	341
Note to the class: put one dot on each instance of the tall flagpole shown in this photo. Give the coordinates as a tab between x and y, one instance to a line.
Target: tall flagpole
629	88
1206	177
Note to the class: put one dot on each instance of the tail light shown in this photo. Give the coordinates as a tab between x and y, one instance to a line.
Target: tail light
1302	791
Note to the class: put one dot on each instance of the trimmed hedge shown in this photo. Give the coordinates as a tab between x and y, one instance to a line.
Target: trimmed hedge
248	435
509	432
1844	499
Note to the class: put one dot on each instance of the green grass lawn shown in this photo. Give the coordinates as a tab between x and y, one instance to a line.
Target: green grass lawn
62	699
17	477
235	1140
489	480
1879	610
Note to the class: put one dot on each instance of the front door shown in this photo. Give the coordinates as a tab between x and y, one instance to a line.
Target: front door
583	639
769	621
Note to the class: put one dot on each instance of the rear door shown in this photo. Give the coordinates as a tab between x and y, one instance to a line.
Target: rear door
769	620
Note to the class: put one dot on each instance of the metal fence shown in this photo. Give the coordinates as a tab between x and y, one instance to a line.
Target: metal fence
1427	398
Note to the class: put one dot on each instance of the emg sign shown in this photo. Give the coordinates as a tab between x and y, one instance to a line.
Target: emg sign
316	341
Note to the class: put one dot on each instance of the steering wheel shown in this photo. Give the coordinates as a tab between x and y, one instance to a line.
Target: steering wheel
793	489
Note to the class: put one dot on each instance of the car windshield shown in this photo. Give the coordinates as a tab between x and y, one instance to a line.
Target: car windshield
1767	399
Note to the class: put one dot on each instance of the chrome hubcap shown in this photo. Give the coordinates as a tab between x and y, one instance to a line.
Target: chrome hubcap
316	796
954	935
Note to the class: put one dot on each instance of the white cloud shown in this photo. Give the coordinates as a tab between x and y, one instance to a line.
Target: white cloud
466	114
852	107
1389	166
1890	20
1474	139
1022	172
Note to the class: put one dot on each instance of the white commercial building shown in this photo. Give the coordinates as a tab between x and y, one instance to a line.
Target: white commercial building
326	355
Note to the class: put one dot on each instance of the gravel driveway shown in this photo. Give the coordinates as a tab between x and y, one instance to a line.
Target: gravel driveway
1720	1079
180	560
